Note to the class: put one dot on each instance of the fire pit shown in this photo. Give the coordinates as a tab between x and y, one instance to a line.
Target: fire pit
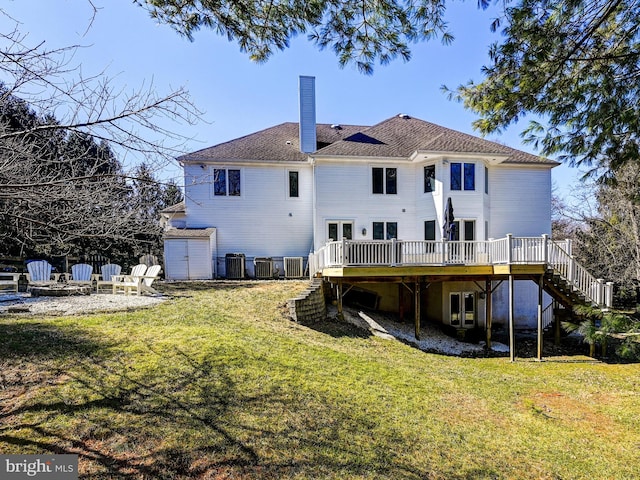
60	290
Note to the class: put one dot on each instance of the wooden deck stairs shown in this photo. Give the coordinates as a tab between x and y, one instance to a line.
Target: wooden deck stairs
562	291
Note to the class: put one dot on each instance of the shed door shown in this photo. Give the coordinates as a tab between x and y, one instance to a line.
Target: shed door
187	259
199	260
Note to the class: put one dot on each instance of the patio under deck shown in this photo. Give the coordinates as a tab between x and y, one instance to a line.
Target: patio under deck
417	264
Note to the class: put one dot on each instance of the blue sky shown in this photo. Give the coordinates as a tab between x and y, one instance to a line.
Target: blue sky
239	97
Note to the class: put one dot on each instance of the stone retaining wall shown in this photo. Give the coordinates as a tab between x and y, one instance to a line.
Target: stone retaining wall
309	307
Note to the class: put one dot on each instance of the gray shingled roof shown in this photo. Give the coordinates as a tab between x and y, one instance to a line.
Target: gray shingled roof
279	143
397	137
179	207
189	233
402	135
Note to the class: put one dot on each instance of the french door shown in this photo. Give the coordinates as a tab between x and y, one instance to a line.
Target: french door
462	309
337	230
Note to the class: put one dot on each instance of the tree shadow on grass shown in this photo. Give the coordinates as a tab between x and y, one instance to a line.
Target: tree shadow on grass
178	287
339	329
188	417
41	340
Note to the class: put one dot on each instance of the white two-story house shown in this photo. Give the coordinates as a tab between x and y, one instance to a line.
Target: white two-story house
370	204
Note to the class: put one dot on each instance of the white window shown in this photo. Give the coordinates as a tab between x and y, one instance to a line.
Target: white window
384	180
429	178
226	182
463	176
293	184
385	230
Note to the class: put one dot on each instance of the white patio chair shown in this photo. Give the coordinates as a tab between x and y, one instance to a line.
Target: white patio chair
81	274
39	273
129	282
142	283
105	278
144	286
9	281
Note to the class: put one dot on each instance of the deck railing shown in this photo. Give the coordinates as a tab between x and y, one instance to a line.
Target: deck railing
508	250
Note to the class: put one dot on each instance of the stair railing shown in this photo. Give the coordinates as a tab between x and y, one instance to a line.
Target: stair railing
594	289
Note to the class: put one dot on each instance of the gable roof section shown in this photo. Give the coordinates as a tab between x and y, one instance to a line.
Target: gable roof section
279	143
397	137
401	136
179	207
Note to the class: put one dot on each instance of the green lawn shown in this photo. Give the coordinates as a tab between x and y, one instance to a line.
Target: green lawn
217	383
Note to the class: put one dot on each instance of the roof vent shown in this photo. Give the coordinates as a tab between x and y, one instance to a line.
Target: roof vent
288	142
404	115
336	126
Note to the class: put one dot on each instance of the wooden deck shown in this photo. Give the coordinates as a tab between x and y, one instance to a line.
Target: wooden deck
395	260
418	263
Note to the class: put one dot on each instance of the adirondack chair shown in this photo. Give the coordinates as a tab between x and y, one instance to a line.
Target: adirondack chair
81	274
141	283
144	286
39	273
9	281
128	282
105	278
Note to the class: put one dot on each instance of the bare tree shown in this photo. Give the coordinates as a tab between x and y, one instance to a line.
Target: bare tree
605	220
69	145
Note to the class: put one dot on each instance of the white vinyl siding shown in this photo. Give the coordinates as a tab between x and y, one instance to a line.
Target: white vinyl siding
264	221
520	201
344	192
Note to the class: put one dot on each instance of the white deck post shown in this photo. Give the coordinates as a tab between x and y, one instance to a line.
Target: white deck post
509	248
570	269
545	248
608	296
600	292
569	246
394	259
344	251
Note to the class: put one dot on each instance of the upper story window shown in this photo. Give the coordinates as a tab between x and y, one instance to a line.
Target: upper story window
486	180
293	184
463	176
429	178
226	182
384	180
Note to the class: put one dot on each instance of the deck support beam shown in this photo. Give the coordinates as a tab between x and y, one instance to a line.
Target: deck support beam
339	295
488	312
540	290
416	299
512	335
557	333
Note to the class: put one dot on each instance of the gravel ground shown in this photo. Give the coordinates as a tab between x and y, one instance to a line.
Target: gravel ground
73	305
432	339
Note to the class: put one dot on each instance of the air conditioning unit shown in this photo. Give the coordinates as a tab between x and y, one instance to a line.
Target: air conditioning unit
234	266
263	267
293	267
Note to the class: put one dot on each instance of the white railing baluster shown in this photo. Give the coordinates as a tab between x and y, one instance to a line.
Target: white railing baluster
508	250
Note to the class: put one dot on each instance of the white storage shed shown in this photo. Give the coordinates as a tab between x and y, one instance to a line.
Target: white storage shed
190	253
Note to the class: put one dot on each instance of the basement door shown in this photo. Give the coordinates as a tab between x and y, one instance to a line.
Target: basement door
462	309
